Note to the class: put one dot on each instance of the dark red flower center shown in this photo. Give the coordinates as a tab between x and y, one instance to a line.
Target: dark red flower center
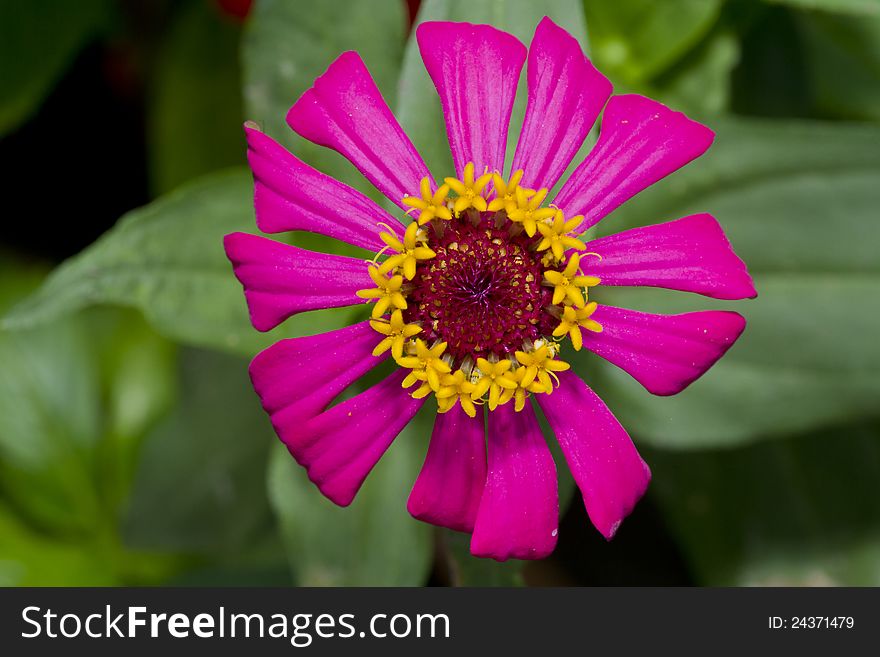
482	293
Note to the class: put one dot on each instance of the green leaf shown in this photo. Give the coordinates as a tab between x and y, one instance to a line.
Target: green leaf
50	424
136	369
167	260
30	559
194	106
798	202
699	84
859	7
287	46
200	482
67	429
76	397
638	39
373	542
771	78
38	41
418	109
844	64
796	512
18	278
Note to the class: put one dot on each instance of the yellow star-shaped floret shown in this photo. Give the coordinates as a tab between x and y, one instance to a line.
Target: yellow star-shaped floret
493	381
568	284
432	205
470	191
556	235
505	192
539	364
396	334
518	376
409	252
527	210
456	387
573	319
387	291
427	365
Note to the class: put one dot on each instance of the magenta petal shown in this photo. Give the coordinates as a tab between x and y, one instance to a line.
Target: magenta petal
476	71
280	280
449	487
345	111
566	94
602	458
519	512
665	353
290	195
690	254
297	378
339	447
641	142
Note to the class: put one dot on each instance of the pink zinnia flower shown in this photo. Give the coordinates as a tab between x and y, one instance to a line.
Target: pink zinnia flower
476	293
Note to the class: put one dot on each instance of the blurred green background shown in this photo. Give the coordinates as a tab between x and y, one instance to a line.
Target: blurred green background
132	448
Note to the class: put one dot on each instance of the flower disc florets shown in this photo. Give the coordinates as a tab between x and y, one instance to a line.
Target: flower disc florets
482	293
477	293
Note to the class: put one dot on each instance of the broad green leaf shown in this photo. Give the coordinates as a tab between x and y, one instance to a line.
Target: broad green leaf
858	7
799	204
638	39
18	278
844	64
28	558
418	109
200	482
699	84
373	542
771	78
796	512
137	374
67	429
76	396
167	259
50	417
194	106
287	45
38	41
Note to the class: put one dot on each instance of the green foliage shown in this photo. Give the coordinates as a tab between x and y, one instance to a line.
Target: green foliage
167	260
843	56
66	427
124	459
797	512
200	482
286	48
77	398
29	558
633	41
699	83
465	569
38	40
195	106
808	357
374	542
857	7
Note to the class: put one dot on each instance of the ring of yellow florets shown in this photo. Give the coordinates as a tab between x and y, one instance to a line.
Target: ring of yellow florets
528	368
